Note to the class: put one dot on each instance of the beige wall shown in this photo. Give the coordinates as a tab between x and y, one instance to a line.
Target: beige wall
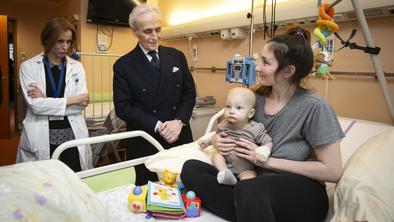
356	97
30	17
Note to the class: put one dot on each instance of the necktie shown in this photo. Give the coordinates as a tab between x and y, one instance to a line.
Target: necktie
154	61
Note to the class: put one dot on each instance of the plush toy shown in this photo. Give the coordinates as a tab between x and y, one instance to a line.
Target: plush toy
168	178
322	62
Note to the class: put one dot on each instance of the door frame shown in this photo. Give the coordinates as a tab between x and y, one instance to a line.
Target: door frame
17	90
5	131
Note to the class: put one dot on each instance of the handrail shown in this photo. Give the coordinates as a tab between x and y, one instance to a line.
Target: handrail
212	121
105	138
99	54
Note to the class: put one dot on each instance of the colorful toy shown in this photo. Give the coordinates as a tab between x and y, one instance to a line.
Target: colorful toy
137	199
324	53
192	204
168	178
325	25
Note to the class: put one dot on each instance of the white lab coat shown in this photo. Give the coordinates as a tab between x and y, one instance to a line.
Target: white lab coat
34	141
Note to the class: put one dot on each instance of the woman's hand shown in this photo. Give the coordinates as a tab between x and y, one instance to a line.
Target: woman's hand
223	144
34	91
82	100
246	150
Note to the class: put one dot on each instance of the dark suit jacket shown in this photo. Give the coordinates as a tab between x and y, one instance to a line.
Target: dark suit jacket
141	101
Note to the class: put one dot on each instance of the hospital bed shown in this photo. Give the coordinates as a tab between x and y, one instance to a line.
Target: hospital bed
356	131
113	195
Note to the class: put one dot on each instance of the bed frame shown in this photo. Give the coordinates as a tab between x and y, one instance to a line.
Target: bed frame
108	138
119	136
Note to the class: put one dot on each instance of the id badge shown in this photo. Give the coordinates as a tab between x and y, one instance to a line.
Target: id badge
52	118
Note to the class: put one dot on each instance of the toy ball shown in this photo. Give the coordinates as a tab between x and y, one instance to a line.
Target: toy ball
190	195
181	186
137	190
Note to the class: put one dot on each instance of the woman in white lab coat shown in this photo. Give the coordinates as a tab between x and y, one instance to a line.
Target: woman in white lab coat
54	89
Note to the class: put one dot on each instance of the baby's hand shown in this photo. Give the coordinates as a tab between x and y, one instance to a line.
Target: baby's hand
203	143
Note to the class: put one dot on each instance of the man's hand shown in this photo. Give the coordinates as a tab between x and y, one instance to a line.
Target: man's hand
170	130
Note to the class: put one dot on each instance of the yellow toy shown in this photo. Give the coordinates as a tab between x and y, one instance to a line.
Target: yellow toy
137	199
168	178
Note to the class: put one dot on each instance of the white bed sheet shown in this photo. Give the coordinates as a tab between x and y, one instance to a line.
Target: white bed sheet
115	202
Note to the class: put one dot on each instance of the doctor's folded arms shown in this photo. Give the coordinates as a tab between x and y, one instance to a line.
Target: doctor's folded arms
153	90
54	88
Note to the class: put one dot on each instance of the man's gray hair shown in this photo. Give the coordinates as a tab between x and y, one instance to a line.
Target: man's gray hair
140	10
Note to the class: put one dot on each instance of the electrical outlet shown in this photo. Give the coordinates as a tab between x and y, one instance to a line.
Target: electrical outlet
194	52
102	42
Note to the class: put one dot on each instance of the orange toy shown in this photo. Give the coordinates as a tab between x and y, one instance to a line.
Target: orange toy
326	15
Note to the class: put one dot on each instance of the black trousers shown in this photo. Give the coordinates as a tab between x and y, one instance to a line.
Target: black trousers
70	157
139	147
279	197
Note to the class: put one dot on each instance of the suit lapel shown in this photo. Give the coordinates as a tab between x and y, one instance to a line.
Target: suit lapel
142	65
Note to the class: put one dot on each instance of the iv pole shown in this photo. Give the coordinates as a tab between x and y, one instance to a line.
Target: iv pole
251	17
374	58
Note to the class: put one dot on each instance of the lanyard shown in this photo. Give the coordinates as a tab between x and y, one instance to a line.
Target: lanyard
55	90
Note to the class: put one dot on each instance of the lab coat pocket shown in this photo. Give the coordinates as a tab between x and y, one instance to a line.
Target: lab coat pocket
74	86
31	138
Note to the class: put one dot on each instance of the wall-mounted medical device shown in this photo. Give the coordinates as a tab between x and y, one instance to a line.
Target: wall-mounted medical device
240	69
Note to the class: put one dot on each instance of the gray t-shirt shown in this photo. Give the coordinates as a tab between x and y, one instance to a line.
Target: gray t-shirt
306	122
253	132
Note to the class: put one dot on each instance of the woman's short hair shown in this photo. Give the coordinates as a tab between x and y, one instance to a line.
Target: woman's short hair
53	29
140	10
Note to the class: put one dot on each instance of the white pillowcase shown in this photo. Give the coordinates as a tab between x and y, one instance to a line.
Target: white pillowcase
174	158
366	189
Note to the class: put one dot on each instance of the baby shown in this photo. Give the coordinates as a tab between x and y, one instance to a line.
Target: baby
239	110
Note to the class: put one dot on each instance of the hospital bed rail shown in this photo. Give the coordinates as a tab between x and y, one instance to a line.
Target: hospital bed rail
108	138
119	136
213	120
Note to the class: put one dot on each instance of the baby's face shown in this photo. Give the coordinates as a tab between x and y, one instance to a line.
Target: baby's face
237	109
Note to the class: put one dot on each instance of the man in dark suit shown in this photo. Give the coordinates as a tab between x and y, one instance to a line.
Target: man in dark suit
153	90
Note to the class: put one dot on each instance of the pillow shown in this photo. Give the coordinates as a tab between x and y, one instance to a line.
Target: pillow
46	191
366	189
174	158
